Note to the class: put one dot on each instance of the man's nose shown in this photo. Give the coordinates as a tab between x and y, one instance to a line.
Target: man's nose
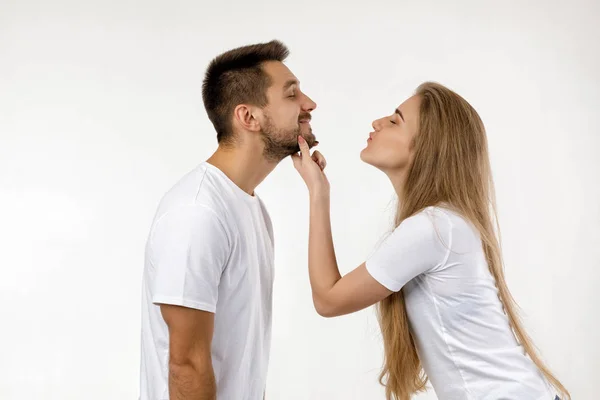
309	105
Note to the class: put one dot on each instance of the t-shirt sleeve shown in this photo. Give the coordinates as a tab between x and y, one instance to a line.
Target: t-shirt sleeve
189	251
419	244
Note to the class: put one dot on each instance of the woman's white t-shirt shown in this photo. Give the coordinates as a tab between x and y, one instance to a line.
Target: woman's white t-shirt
462	334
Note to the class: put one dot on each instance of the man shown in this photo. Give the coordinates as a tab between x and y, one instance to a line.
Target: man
208	276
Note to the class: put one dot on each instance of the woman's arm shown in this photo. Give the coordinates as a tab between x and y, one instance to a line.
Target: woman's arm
333	294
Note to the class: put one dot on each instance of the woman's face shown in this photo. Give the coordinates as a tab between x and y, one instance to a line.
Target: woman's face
389	145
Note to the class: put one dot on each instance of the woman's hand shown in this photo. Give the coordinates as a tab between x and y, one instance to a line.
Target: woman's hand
311	169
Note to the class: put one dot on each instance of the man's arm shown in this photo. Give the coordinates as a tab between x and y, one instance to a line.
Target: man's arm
191	375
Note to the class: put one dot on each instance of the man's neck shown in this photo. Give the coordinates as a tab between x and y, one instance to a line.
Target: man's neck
247	168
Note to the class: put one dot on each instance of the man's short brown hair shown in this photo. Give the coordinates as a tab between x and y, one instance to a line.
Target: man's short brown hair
237	77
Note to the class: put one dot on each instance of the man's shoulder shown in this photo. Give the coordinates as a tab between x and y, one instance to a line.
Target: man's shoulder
192	198
197	189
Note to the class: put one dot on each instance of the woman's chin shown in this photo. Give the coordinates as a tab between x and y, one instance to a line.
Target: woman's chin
364	156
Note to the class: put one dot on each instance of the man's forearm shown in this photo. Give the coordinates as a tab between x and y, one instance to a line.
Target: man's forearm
187	382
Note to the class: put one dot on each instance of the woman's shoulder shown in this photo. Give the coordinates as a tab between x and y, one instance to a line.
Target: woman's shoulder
427	225
441	219
433	216
447	213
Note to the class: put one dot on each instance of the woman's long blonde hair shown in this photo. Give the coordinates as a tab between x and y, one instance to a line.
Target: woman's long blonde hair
451	165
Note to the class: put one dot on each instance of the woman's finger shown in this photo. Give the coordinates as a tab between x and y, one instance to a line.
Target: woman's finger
303	148
319	159
297	160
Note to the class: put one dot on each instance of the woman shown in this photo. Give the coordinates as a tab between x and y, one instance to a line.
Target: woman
445	311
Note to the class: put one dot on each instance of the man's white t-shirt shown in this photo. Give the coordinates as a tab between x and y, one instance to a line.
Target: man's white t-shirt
462	334
210	248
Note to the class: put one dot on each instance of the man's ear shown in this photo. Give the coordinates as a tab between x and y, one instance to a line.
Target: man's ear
246	117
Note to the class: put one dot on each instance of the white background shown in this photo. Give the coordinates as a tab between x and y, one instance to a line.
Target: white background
101	112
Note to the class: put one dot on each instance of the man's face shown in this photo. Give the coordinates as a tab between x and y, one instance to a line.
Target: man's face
287	114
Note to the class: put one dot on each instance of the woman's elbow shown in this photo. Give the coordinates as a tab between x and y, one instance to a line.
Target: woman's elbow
324	308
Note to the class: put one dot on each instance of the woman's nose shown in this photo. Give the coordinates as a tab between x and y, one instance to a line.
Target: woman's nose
376	125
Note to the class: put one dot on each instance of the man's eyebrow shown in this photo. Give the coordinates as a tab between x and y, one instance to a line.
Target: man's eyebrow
397	111
290	83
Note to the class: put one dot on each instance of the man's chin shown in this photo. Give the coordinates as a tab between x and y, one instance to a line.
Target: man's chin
295	148
310	139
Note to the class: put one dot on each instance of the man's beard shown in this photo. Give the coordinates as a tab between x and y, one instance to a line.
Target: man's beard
280	143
